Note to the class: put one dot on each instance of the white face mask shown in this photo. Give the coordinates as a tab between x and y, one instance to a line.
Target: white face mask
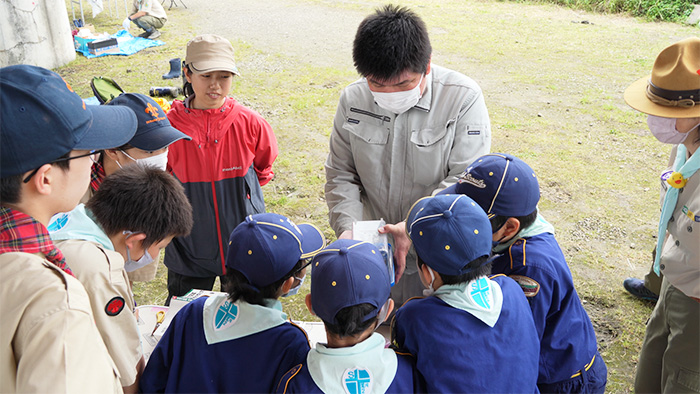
159	161
132	265
429	291
383	313
664	129
294	290
399	102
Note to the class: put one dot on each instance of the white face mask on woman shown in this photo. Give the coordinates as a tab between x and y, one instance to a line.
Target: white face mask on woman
664	129
159	161
399	102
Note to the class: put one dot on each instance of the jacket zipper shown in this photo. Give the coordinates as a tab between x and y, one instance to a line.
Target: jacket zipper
212	165
383	118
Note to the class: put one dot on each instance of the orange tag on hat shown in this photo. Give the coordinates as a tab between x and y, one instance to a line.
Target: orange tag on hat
676	180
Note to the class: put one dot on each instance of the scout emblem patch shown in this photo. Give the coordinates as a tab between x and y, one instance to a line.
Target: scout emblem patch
357	381
226	315
530	286
58	222
114	306
480	293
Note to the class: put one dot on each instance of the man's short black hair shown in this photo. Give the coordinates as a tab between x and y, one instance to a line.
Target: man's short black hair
11	186
350	320
392	40
525	221
142	199
238	286
480	270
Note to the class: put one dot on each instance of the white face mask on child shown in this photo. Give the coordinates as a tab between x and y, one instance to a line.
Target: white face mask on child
159	161
429	291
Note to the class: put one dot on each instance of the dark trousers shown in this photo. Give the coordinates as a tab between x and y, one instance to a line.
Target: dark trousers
179	285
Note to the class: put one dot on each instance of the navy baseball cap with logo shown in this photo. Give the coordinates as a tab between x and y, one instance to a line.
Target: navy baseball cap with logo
266	246
154	131
347	273
501	184
42	119
449	232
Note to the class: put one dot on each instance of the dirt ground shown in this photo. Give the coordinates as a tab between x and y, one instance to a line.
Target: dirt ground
553	80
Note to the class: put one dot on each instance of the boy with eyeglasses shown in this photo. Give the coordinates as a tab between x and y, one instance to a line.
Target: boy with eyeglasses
48	338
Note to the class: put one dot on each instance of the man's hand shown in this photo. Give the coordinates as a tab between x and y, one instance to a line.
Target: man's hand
401	245
347	234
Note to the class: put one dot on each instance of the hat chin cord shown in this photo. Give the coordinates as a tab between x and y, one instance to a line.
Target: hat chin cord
684	103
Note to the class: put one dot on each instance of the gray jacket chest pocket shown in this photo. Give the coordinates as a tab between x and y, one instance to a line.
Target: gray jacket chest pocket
374	133
430	152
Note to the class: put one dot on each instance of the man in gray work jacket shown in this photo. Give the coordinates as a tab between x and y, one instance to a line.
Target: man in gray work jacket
406	130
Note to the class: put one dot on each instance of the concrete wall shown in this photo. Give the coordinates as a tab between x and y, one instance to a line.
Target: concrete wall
35	32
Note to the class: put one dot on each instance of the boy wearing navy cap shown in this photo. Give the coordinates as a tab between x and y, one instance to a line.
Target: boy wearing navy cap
350	289
49	342
148	146
240	342
507	189
473	334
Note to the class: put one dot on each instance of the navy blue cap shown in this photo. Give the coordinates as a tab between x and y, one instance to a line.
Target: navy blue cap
501	184
43	119
266	246
348	273
154	131
449	232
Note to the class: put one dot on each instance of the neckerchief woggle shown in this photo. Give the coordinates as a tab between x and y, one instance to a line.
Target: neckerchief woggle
682	169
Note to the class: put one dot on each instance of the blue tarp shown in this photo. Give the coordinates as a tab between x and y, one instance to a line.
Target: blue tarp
128	45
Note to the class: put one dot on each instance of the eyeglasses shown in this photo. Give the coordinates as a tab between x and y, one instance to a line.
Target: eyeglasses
306	263
94	156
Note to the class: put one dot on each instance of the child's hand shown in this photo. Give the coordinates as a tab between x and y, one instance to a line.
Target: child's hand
401	245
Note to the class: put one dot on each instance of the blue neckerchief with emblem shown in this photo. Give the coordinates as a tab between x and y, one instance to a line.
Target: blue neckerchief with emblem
366	367
78	224
224	321
540	226
482	298
682	171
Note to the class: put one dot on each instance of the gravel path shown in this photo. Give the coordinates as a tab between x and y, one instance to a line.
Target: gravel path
288	27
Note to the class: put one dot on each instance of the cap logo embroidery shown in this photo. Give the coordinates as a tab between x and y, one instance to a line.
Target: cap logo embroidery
468	178
357	381
226	316
153	111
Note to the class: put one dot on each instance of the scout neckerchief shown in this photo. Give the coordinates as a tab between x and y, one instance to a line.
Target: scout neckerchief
97	175
682	170
20	232
225	321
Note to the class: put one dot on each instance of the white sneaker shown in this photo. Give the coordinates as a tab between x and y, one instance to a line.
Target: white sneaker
154	35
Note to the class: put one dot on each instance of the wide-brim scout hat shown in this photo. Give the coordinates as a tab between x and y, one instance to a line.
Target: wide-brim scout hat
449	232
673	88
209	52
266	246
348	273
501	184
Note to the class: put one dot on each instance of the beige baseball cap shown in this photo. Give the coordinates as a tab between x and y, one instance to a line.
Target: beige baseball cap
210	52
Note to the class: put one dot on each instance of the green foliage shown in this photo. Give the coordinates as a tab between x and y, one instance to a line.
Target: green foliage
653	10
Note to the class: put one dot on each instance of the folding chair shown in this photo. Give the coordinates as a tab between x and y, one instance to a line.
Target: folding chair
173	3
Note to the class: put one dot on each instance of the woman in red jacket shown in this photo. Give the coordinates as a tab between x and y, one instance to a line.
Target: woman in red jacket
222	168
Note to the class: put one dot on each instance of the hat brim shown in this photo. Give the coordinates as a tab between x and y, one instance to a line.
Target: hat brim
158	138
636	97
209	66
452	189
312	240
112	126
